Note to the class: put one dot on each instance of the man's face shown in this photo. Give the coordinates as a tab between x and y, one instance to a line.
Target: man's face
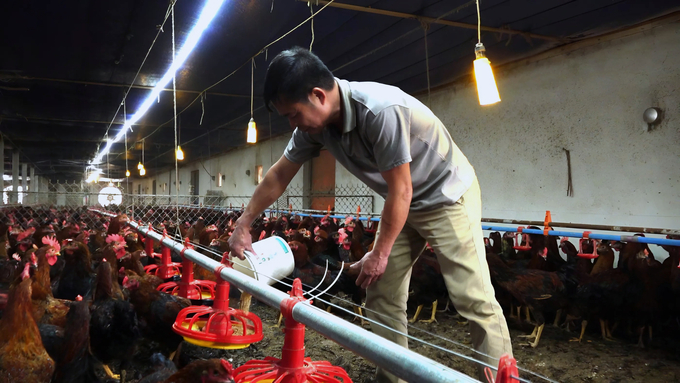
310	117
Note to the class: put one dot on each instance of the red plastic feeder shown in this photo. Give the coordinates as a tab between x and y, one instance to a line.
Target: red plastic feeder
581	242
166	269
293	367
187	287
525	238
219	326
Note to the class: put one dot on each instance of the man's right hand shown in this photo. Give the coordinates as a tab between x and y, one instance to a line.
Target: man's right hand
239	241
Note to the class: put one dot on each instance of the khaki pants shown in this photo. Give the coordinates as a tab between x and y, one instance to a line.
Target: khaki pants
455	234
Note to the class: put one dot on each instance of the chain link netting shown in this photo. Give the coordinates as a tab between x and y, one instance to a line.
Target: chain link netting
74	199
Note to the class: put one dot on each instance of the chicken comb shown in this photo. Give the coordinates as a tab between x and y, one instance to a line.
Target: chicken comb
115	238
348	220
25	234
262	234
342	235
16	257
79	298
316	230
51	241
564	239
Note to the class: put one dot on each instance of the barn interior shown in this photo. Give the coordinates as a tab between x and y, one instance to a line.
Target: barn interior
94	112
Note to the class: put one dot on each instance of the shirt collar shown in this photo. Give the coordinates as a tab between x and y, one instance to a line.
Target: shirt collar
349	120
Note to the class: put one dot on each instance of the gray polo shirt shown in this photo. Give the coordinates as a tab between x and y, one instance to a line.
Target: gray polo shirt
383	127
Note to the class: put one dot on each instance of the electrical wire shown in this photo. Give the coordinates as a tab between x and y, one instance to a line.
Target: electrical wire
479	24
311	10
160	29
263	50
174	101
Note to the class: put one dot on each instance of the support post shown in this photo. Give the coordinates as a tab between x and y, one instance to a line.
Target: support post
34	195
24	181
14	195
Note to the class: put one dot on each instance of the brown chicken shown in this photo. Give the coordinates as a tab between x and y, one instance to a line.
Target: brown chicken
75	363
156	311
22	355
539	290
46	308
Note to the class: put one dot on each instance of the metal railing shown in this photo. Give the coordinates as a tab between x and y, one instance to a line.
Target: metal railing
402	362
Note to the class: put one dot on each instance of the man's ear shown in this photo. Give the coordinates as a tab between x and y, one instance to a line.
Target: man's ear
319	94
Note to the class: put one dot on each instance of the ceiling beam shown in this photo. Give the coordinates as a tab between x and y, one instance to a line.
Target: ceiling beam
108	84
61	121
433	20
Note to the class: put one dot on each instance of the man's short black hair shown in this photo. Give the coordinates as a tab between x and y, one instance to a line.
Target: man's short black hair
293	74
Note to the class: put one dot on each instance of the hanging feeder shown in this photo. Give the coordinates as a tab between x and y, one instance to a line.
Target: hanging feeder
187	287
219	326
293	367
167	268
525	239
581	243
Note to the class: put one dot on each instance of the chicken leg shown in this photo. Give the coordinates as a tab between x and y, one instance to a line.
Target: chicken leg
415	316
360	315
110	373
434	311
584	324
533	334
556	323
538	336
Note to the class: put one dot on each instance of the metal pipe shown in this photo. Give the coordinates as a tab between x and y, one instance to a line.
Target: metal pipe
570	225
608	237
401	362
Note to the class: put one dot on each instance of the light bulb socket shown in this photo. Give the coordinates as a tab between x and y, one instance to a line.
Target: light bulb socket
480	51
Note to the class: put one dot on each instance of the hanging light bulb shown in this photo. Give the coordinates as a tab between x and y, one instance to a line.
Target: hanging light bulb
139	165
142	171
127	173
180	153
251	136
252	132
486	84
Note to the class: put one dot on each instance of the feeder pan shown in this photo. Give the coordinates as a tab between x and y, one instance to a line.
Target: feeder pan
219	326
581	242
187	287
293	367
166	269
525	239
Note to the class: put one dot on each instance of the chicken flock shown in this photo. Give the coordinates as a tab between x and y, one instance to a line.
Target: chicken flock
74	297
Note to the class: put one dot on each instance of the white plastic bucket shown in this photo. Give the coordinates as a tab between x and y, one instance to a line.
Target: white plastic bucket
273	258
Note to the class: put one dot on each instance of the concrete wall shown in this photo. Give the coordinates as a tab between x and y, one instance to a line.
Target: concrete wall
232	165
589	102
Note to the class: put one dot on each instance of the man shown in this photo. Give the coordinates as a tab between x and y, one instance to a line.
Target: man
400	149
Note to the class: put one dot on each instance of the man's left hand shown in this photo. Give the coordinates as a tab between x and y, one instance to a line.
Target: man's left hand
372	267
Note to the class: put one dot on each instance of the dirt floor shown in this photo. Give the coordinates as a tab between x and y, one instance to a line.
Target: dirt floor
593	360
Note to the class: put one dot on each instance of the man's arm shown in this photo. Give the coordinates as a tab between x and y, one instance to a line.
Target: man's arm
269	190
395	212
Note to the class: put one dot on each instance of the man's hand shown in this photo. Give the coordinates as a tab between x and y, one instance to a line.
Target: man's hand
239	241
372	267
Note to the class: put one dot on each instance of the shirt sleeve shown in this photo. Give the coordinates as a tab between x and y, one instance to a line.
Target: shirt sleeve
390	133
302	147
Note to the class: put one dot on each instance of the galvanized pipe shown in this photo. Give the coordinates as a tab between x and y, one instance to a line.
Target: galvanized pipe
608	237
402	362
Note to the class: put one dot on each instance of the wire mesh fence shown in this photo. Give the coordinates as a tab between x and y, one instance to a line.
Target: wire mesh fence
74	199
